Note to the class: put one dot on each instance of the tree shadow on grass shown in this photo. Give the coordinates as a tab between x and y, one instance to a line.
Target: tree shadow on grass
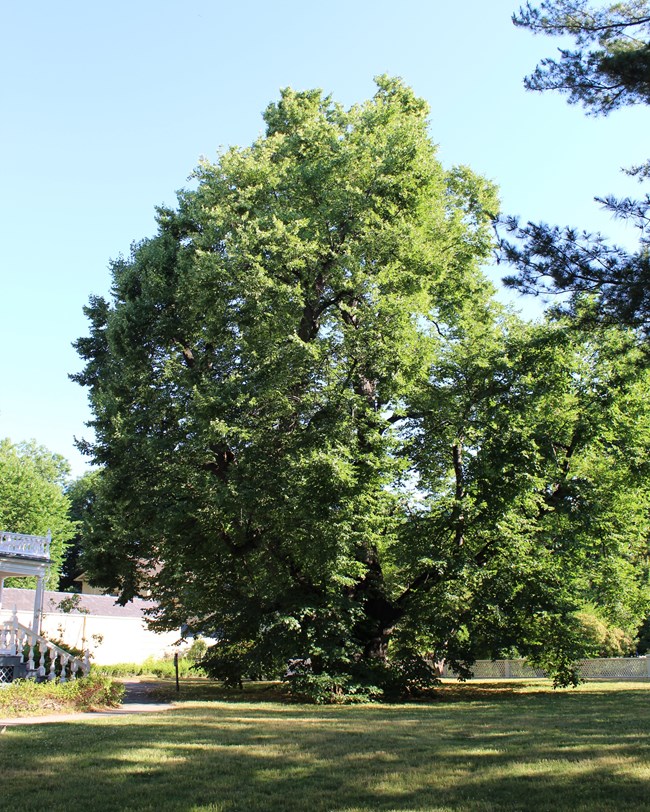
577	752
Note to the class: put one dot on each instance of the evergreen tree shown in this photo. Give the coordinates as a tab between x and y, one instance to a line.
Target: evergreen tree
610	68
611	65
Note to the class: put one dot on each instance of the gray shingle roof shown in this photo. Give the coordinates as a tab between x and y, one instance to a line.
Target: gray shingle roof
98	605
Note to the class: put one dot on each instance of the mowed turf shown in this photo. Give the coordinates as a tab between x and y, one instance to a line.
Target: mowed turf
489	747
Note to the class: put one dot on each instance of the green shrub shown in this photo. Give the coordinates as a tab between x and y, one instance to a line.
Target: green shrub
151	667
96	691
118	670
231	662
328	689
28	697
396	678
405	676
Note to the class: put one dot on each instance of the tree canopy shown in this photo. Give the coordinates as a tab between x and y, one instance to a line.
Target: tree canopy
32	498
321	440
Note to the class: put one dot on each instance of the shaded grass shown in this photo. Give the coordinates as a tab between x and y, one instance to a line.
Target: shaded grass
488	748
207	690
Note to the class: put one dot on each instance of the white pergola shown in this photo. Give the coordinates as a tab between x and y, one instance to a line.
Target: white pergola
23	556
24	651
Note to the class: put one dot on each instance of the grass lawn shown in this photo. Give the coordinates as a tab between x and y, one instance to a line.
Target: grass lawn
476	747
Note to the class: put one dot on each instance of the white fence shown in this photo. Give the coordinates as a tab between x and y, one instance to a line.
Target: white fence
620	668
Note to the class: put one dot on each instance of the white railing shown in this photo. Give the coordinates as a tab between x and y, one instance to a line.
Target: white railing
22	544
17	640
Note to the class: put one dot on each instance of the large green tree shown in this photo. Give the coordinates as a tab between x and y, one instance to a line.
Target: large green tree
32	498
314	426
610	68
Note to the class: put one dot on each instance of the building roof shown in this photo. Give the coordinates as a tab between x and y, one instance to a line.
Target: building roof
97	605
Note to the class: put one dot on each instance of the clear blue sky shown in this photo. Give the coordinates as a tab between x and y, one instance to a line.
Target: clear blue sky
107	107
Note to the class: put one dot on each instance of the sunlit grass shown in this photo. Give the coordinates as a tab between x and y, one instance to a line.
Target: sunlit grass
483	747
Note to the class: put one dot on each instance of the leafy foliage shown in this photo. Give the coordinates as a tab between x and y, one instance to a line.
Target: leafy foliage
328	689
232	663
548	495
605	640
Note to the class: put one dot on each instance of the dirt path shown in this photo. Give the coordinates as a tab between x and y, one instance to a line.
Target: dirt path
140	692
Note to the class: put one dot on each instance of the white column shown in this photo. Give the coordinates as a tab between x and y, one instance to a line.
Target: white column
38	605
13	643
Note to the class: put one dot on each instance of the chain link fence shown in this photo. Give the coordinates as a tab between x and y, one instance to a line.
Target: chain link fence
620	668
